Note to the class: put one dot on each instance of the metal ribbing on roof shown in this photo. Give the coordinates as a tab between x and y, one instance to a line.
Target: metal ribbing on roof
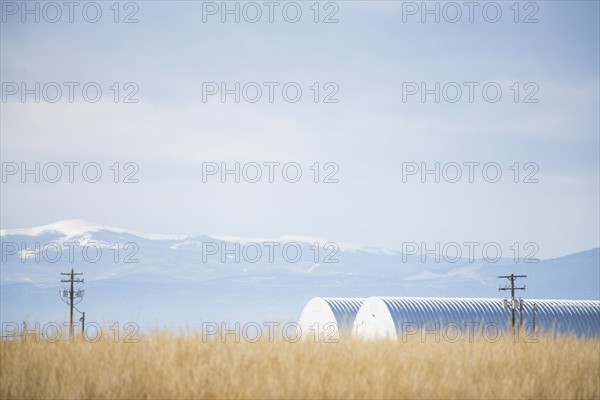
344	309
427	311
394	315
580	317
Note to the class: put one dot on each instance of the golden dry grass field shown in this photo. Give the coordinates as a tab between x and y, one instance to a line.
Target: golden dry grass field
163	365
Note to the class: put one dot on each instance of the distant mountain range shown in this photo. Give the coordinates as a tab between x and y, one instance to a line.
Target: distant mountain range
178	281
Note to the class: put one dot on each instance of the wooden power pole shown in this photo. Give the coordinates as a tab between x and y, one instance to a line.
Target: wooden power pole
512	288
72	280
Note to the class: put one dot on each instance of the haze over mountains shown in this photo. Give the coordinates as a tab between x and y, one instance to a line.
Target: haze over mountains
178	281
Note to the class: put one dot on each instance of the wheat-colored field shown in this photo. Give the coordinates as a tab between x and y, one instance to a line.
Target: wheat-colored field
163	365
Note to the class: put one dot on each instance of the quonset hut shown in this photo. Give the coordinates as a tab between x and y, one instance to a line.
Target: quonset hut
327	317
400	317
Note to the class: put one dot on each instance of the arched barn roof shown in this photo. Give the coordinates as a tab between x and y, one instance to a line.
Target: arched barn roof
331	314
581	317
381	317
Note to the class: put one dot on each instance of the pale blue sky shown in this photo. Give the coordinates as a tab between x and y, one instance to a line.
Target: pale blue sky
369	133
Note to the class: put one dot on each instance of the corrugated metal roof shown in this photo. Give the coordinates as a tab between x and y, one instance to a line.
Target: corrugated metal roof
581	317
427	311
344	309
559	316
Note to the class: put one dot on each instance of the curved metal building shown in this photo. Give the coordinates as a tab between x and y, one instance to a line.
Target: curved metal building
327	317
394	317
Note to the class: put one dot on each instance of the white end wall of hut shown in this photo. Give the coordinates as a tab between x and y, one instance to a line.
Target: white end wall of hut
327	317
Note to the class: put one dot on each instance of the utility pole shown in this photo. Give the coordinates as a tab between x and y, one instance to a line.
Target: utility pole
512	288
82	320
72	280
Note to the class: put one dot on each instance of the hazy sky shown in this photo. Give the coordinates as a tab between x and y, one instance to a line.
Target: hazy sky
367	61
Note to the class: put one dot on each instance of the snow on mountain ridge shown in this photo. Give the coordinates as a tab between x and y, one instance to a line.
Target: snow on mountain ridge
78	227
82	229
71	228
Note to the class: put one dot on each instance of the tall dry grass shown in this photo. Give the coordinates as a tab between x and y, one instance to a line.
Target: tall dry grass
165	365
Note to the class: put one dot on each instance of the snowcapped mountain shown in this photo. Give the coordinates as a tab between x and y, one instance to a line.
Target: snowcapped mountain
175	280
